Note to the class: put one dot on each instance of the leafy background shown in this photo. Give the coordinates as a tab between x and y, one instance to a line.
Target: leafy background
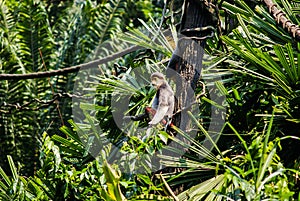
256	157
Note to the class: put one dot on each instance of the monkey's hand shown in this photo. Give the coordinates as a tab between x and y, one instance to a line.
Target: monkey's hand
159	115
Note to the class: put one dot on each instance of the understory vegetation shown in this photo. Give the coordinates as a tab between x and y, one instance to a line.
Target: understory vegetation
63	137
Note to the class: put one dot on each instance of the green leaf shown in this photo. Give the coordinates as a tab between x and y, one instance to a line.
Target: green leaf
202	189
6	179
163	136
113	183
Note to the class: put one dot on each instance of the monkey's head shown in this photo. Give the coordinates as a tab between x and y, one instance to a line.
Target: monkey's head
157	79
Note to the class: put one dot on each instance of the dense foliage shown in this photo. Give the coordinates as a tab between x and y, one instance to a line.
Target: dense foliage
251	74
41	36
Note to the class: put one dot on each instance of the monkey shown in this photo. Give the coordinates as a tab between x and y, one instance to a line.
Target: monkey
164	99
161	110
163	103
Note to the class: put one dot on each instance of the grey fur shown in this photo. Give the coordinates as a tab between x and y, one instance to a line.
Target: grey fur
164	100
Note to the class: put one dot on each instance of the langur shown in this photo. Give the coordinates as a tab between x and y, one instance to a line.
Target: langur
164	99
162	107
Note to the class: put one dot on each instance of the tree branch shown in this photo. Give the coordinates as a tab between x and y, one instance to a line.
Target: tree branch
8	107
69	69
279	16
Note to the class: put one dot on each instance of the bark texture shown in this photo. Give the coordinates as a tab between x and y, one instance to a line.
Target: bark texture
197	23
280	17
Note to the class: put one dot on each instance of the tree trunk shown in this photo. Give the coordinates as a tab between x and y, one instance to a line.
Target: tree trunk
197	23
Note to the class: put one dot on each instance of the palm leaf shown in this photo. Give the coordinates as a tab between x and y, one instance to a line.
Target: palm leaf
203	189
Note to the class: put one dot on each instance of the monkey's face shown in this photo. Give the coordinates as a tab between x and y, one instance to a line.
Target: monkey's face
156	82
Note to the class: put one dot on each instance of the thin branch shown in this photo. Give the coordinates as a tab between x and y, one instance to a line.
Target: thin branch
43	103
68	70
280	17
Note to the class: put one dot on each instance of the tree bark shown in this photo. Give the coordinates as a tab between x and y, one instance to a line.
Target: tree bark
280	17
197	23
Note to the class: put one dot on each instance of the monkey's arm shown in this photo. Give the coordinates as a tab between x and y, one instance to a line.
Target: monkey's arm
149	113
136	118
163	106
159	115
